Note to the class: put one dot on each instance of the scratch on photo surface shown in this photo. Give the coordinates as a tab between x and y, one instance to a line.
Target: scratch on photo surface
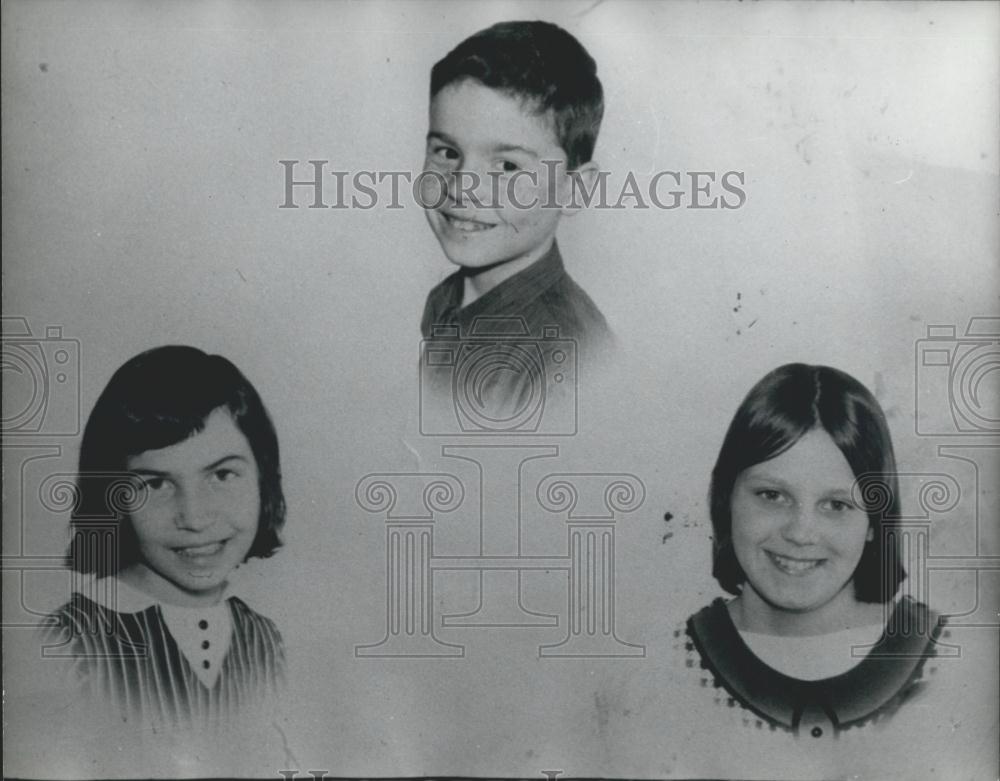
589	8
290	759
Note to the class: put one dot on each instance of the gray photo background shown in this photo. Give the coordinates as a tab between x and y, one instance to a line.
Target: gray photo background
141	187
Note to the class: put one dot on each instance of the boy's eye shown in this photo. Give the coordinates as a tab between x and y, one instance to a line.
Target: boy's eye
154	483
509	166
445	152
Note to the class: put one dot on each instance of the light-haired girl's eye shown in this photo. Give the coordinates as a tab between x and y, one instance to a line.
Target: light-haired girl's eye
840	506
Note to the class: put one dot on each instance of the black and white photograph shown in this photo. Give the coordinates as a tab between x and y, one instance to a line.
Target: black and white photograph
583	389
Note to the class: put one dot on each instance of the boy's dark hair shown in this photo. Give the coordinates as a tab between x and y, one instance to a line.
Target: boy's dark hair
776	413
157	399
541	64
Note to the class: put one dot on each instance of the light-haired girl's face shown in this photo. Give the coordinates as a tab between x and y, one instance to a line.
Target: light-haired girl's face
200	512
798	535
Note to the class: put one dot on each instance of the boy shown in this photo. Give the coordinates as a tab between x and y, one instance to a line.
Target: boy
514	116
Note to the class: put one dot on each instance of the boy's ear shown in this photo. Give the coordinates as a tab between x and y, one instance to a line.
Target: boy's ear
580	179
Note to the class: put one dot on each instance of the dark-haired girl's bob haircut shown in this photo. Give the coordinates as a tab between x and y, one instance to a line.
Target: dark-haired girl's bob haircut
157	399
776	413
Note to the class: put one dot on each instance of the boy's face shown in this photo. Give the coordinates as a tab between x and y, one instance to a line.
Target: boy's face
489	150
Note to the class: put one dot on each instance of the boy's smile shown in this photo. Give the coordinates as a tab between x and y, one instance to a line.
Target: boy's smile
503	174
456	221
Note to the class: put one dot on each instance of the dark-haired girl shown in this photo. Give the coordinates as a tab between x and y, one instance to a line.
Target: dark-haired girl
179	460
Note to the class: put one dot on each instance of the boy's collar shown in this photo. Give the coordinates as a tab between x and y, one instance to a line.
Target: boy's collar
511	295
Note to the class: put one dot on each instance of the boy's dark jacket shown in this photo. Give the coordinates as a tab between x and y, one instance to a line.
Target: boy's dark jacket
543	294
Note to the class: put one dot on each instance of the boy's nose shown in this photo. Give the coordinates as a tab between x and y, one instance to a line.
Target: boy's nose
468	188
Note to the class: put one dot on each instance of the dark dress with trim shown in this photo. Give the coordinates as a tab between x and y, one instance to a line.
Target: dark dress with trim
890	673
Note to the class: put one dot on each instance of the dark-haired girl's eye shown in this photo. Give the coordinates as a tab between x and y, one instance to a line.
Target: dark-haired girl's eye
224	476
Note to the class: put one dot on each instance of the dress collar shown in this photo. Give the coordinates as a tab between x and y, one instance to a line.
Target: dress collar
203	635
115	594
888	669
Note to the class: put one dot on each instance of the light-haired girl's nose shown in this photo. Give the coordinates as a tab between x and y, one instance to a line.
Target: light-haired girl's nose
800	527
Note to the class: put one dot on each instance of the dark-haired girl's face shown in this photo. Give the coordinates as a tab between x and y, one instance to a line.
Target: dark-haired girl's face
200	514
798	535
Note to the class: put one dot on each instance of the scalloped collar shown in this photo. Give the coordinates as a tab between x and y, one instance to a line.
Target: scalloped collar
889	668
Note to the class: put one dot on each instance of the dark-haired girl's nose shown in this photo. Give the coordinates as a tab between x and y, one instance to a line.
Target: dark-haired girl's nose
192	512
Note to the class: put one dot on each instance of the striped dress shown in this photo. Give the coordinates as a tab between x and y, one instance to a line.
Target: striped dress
131	661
